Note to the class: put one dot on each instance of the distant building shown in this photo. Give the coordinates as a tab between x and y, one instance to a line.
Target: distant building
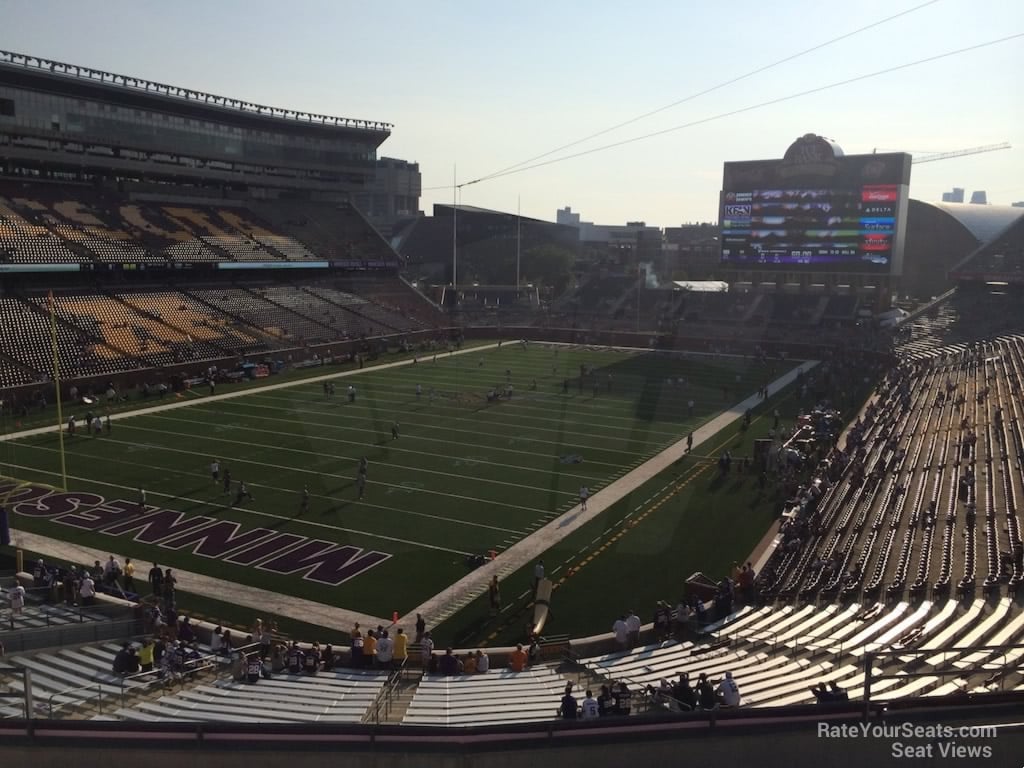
567	217
979	197
392	196
956	196
692	251
1018	204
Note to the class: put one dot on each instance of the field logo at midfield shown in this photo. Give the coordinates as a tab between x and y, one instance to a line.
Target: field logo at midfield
224	540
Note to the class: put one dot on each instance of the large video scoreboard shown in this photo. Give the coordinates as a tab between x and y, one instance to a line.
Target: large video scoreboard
816	209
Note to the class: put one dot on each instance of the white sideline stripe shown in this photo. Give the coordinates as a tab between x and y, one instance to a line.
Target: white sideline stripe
242	393
252	512
359	502
531	547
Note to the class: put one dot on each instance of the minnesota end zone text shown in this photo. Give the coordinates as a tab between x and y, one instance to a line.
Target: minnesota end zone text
324	562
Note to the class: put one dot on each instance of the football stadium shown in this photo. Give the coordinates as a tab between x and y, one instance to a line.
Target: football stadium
279	463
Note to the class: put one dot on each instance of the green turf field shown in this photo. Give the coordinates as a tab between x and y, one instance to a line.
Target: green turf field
464	476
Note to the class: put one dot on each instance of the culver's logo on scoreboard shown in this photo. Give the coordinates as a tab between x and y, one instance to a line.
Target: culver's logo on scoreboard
735	209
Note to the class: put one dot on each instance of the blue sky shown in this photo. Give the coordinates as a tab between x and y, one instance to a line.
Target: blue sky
484	85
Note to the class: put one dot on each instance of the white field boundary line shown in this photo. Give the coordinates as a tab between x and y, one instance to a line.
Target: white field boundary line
262	601
531	547
242	393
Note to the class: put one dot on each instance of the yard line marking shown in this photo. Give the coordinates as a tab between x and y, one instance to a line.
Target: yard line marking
378	483
271	488
248	511
442	428
400	467
243	393
369	397
391	446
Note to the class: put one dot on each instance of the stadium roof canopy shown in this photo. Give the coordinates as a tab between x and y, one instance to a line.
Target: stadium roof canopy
985	222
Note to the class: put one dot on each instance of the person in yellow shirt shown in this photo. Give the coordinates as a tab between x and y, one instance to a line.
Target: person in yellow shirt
517	661
401	648
370	648
129	573
146	655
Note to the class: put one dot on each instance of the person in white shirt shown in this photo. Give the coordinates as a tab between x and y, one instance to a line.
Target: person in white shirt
483	661
216	641
215	471
17	599
621	631
385	649
728	692
633	625
589	709
88	590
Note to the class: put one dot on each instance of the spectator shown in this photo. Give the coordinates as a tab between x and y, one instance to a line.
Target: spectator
401	651
623	698
426	650
838	694
469	664
662	617
621	632
16	597
568	708
129	575
370	648
728	692
421	628
385	650
87	591
684	693
253	668
328	658
533	653
589	709
706	698
156	580
538	574
146	655
356	657
226	647
278	661
518	659
633	625
311	660
483	662
266	639
217	640
295	658
120	666
185	631
449	665
605	702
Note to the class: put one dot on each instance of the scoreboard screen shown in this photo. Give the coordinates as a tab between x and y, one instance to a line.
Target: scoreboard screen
843	214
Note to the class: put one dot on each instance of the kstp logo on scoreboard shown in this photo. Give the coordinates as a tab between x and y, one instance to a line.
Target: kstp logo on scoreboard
737	210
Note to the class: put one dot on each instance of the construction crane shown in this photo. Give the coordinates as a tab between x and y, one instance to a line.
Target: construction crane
931	158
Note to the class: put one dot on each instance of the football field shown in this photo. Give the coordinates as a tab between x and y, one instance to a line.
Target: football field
466	473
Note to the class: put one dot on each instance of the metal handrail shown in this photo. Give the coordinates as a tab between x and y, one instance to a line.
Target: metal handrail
386	695
99	697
